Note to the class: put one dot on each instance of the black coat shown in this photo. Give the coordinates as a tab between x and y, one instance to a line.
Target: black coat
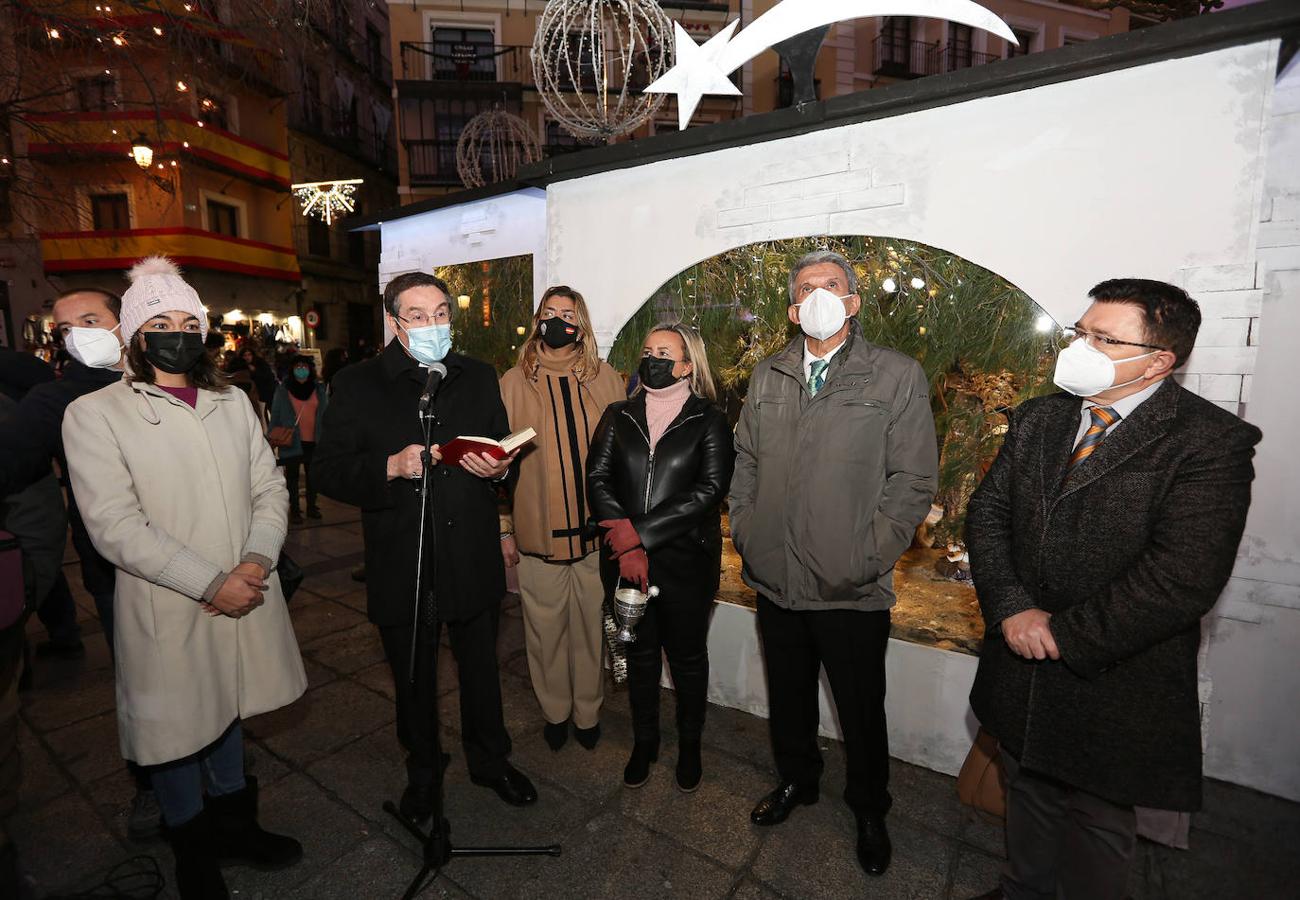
373	415
673	497
1127	554
35	434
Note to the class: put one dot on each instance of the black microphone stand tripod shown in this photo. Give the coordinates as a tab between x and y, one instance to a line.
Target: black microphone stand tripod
438	849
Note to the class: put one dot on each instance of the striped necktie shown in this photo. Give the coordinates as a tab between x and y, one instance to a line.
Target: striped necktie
817	375
1102	418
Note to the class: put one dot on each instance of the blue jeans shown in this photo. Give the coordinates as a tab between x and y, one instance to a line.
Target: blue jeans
179	784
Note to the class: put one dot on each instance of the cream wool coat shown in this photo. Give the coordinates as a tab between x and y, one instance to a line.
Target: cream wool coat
174	497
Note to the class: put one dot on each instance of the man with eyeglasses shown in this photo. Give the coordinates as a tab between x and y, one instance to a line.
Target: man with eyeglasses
1102	533
368	455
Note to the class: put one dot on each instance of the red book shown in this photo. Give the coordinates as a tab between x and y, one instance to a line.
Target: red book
455	449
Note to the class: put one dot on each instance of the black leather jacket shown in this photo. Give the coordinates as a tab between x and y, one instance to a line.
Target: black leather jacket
672	496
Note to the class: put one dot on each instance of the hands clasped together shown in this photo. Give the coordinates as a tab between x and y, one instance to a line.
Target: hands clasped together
625	546
244	590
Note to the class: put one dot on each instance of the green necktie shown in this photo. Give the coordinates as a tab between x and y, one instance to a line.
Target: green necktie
817	376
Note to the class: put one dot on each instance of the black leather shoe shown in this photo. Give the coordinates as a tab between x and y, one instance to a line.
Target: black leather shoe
637	771
588	737
417	803
776	807
874	848
556	734
511	786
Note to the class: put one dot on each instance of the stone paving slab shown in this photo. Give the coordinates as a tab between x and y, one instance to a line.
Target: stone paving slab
327	763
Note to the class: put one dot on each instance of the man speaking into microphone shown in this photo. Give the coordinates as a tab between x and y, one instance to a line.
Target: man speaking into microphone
369	456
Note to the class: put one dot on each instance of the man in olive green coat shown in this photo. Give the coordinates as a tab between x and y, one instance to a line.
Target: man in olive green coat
836	465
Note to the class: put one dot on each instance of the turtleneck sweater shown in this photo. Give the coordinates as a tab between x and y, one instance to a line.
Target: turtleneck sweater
662	406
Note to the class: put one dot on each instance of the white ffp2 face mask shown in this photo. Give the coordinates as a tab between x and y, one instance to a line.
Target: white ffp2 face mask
821	314
98	348
1085	371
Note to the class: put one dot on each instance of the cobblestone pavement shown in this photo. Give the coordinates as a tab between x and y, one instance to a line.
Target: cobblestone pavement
328	762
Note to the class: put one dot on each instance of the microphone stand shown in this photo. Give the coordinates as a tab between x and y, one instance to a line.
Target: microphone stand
438	850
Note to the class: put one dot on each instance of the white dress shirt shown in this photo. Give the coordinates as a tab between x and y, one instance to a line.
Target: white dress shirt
809	358
1124	407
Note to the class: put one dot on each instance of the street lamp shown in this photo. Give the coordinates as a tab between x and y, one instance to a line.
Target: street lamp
142	152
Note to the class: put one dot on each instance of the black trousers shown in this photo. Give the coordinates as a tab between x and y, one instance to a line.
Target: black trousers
482	722
291	475
851	645
1064	843
680	628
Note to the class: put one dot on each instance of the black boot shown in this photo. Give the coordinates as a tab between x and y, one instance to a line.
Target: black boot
239	839
637	772
690	769
198	875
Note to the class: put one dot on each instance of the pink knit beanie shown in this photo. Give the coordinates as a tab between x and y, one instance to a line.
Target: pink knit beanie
157	287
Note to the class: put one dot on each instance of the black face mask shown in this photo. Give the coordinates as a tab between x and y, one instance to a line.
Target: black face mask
557	333
174	352
656	372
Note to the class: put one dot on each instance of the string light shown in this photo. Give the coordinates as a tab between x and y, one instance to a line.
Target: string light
918	283
182	86
119	41
890	285
158	31
53	34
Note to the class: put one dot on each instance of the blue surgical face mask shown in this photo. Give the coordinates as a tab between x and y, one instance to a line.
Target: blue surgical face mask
428	343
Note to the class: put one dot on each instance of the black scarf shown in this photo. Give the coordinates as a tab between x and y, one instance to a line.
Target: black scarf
301	390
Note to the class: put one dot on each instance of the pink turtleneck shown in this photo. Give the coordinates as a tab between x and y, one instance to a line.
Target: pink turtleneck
662	406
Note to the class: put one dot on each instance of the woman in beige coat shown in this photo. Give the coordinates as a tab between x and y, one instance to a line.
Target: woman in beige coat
560	387
179	490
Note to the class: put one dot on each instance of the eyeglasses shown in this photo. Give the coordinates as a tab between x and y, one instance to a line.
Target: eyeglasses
418	318
1093	339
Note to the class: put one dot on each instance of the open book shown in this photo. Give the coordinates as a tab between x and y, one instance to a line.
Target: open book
453	450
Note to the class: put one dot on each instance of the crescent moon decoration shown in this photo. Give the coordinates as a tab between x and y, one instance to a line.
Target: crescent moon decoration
704	68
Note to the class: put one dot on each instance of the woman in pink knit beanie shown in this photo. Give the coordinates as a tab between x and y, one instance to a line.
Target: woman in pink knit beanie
179	490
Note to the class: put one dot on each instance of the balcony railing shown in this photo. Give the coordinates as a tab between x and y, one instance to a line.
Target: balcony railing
343	131
433	162
950	59
902	58
492	63
916	59
81	251
466	62
73	134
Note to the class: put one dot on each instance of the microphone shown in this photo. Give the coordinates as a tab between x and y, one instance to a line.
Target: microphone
437	372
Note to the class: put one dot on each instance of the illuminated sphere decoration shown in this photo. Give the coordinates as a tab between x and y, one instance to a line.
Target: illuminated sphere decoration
593	58
492	147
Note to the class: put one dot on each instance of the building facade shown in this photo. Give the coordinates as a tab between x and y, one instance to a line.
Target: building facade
179	128
341	126
453	60
145	134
